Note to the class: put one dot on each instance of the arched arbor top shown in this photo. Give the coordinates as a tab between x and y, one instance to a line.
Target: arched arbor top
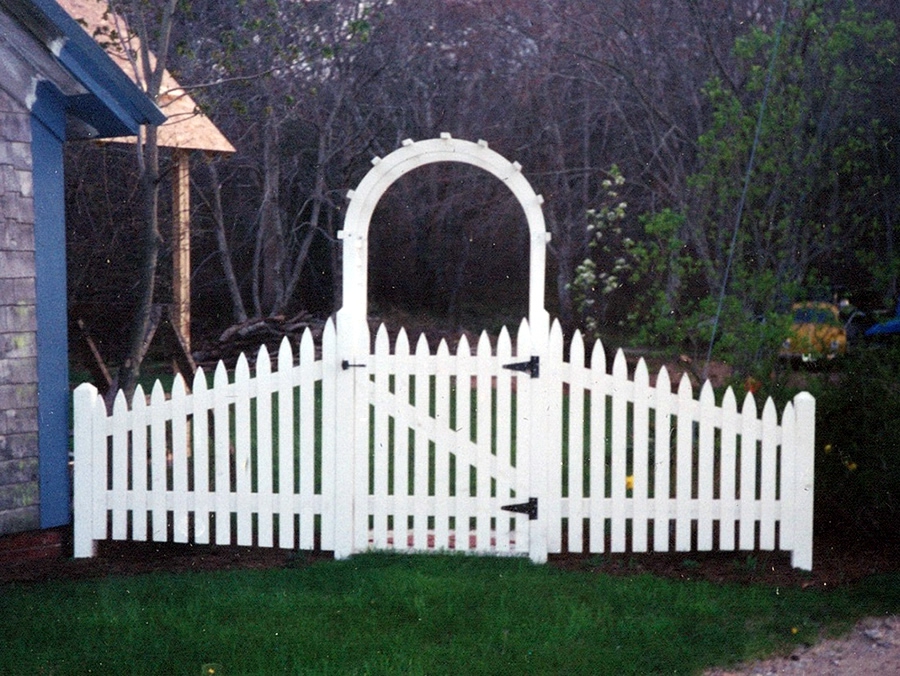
412	155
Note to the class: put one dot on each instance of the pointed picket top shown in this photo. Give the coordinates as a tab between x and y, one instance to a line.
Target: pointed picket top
307	352
769	410
242	369
749	407
401	346
263	361
685	389
178	386
576	350
422	348
199	382
598	357
620	366
641	374
220	379
462	347
504	342
443	350
524	340
285	355
729	401
663	381
484	348
707	395
329	332
788	414
382	340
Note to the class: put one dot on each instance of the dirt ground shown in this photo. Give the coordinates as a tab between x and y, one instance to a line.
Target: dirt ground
873	647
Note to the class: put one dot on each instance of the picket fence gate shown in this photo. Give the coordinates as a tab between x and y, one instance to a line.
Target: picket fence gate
507	449
625	465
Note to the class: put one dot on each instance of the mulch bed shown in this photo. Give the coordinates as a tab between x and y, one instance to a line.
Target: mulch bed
836	562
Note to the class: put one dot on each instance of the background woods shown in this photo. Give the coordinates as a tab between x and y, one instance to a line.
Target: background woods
667	92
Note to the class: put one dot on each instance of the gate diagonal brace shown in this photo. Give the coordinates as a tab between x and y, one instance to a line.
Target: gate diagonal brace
532	367
530	508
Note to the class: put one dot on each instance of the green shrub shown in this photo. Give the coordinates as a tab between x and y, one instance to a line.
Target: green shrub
858	446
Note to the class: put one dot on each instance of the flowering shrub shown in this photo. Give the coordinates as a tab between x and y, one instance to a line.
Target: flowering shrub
858	439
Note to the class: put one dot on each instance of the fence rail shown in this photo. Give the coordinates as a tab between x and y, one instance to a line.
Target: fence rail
625	465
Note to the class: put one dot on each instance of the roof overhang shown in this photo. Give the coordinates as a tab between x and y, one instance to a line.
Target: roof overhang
111	104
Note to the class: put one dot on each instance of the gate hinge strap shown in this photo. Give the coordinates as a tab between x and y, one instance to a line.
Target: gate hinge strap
532	367
530	508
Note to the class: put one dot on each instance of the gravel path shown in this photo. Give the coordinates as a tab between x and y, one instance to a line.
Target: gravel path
871	649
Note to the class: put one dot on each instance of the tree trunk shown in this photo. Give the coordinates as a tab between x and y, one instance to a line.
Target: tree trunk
237	302
137	344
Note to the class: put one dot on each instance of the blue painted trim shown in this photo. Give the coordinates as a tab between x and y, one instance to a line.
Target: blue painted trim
93	67
48	118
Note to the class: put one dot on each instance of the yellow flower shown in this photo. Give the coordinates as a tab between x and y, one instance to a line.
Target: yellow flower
828	448
629	482
794	630
850	465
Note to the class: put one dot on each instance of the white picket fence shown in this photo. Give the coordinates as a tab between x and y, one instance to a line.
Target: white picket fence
442	442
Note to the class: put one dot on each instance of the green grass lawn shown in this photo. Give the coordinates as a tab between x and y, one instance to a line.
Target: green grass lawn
393	614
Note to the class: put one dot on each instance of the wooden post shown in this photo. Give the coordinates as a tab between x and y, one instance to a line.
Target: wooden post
181	247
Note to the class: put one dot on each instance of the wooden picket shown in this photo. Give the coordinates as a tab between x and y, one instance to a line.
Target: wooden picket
439	443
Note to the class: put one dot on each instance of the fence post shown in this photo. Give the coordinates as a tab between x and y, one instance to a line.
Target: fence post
86	400
805	445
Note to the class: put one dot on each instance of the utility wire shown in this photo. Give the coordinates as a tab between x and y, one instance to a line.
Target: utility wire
743	200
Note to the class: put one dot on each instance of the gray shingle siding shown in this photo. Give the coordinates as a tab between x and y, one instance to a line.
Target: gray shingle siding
19	493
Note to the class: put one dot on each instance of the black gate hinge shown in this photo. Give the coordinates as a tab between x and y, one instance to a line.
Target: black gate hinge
530	508
532	367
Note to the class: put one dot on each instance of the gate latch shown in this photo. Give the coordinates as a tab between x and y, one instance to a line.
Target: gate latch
529	508
345	364
532	367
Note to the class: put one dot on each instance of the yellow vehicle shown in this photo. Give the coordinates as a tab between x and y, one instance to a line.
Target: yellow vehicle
817	332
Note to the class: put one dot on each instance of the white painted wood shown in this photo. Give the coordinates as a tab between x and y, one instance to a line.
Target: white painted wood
402	428
728	483
705	467
383	414
86	402
329	367
484	459
621	393
285	400
306	430
640	471
598	390
747	503
145	455
265	386
461	508
543	432
502	457
222	440
201	454
423	426
804	457
533	405
139	465
662	477
684	465
180	452
159	462
118	470
575	484
769	459
242	456
443	445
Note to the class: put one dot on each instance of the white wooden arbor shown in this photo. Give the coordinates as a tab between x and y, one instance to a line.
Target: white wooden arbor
351	318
